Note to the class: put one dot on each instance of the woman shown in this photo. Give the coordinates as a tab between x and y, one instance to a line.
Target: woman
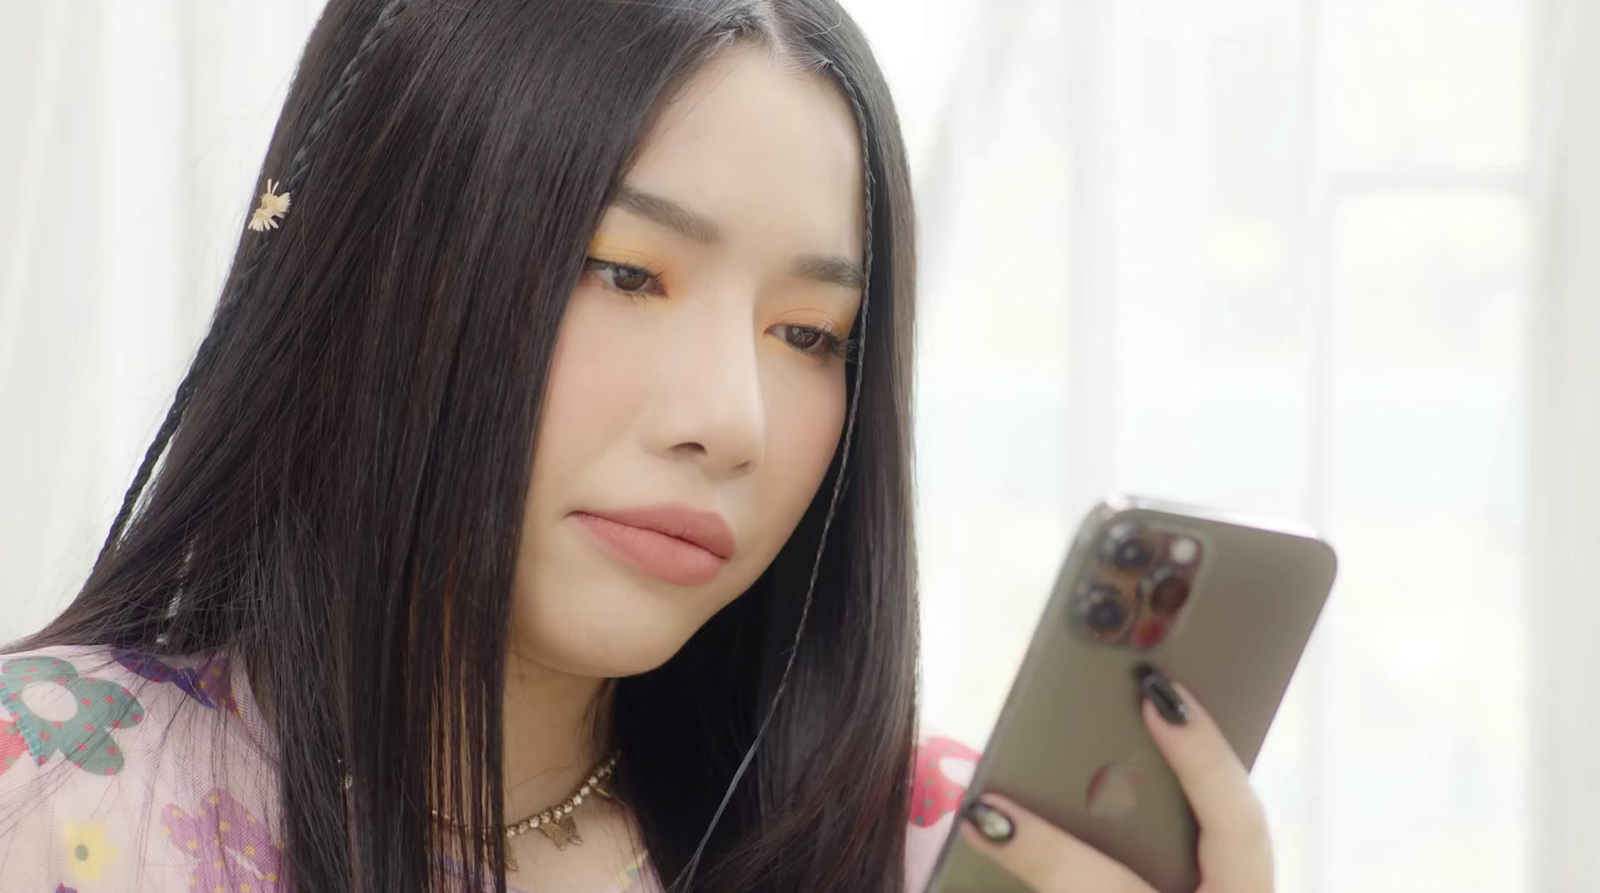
545	468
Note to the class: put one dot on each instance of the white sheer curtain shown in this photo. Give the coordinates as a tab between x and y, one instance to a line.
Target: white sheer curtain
1563	562
1328	259
1279	256
130	134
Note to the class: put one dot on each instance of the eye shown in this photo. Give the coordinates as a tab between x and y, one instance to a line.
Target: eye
626	278
812	340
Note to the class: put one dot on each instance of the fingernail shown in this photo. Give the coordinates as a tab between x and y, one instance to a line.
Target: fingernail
1160	692
990	822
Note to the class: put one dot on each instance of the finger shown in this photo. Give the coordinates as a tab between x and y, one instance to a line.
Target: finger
1041	855
1216	783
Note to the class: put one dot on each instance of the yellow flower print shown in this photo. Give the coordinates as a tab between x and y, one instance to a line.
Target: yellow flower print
87	850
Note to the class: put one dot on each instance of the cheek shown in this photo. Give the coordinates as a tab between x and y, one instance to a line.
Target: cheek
805	422
591	394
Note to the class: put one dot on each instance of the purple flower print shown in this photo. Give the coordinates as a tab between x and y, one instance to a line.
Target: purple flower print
210	684
230	849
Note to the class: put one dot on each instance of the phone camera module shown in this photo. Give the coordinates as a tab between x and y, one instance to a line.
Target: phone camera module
1183	550
1165	590
1124	547
1100	608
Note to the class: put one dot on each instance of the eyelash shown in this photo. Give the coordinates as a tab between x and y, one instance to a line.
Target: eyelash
828	343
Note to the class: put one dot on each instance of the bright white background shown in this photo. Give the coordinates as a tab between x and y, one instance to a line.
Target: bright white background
1332	259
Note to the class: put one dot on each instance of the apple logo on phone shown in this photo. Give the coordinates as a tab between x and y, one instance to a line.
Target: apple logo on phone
1114	790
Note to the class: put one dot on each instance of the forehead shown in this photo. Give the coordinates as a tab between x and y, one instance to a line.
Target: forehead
770	153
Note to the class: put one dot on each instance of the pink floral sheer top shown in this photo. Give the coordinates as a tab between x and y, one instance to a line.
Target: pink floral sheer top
124	772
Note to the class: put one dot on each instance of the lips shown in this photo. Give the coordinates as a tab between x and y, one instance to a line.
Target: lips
673	543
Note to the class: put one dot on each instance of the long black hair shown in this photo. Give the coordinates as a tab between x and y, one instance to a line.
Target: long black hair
337	492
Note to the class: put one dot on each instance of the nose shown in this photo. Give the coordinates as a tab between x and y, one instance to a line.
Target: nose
709	407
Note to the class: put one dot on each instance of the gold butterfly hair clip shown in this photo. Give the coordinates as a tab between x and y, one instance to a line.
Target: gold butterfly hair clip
272	207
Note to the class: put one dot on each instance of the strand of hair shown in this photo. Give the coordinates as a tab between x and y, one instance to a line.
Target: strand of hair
203	357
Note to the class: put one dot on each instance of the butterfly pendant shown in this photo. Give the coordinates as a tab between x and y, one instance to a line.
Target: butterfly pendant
562	831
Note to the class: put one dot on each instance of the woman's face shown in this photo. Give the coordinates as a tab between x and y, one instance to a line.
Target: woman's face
697	392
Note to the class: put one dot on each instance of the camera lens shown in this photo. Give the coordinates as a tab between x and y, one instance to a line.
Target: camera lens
1125	548
1100	607
1165	591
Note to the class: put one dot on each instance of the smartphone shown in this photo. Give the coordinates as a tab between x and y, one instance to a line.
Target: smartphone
1220	603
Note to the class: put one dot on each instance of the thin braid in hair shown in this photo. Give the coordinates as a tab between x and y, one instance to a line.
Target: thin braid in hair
298	167
833	499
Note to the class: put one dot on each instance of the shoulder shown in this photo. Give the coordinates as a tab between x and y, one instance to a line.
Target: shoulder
97	708
943	766
73	701
65	719
107	756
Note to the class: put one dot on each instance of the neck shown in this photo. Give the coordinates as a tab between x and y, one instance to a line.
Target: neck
548	716
549	748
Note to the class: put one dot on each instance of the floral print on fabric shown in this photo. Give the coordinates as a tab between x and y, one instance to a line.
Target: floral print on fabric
231	849
98	831
209	684
88	851
935	794
85	738
11	744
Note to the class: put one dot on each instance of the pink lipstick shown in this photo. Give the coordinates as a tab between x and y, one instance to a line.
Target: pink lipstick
672	543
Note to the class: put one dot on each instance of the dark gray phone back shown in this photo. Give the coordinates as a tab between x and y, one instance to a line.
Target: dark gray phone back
1229	624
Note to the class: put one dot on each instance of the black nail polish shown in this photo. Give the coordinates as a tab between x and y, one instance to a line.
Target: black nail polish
1160	692
990	822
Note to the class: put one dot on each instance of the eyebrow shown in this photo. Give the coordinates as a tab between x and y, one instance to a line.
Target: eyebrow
692	226
697	227
832	270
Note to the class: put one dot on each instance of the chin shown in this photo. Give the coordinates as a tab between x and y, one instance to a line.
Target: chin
601	666
604	639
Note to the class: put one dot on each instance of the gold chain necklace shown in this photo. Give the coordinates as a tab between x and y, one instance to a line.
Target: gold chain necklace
556	822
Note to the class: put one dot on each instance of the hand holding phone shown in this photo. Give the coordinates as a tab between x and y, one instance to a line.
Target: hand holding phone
1235	854
1104	775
